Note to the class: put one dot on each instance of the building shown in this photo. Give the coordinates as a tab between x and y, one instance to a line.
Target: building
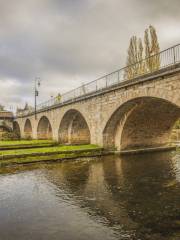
25	110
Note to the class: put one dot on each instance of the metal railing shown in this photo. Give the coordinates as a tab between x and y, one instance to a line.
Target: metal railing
166	58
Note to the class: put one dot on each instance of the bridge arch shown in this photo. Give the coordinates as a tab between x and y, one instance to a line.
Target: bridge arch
73	128
16	129
28	129
141	122
44	129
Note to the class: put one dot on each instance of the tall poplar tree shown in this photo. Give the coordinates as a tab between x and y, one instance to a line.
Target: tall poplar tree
137	52
135	55
152	49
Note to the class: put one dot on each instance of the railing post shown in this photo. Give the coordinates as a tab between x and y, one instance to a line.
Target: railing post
118	77
174	55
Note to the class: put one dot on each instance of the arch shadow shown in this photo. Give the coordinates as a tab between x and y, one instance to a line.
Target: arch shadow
28	129
73	128
44	129
16	130
141	122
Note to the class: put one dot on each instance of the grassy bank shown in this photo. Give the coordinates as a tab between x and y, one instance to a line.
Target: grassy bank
22	144
50	158
47	154
45	150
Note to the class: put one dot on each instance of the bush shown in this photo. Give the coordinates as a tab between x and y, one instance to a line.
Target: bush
10	136
177	125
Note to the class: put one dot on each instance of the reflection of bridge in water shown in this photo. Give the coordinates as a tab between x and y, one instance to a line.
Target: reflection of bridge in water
113	111
141	195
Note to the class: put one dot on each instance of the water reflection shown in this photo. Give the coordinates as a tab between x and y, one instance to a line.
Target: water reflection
139	193
127	197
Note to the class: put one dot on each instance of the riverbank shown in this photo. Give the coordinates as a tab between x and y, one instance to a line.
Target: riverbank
23	144
147	150
36	154
36	151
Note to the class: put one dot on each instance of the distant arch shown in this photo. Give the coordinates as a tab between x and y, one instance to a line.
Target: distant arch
16	130
141	122
28	129
73	128
44	129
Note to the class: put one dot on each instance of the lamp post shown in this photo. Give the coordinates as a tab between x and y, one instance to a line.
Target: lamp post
36	94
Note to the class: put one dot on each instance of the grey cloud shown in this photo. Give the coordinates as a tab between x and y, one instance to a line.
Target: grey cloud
72	41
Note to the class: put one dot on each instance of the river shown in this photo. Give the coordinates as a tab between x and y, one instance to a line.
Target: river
113	197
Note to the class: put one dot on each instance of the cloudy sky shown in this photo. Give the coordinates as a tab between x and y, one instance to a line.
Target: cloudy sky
70	42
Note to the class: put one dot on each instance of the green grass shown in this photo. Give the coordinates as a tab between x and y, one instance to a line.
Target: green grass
24	142
53	149
47	154
52	158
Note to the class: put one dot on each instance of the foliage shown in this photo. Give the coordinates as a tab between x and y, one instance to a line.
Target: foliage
151	49
177	125
137	52
1	107
135	55
10	136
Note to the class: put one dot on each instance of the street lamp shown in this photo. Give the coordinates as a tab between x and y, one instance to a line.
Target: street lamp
36	93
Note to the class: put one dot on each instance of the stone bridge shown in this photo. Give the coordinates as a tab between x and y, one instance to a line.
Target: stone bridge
132	114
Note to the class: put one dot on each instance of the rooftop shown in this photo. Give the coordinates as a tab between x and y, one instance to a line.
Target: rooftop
6	114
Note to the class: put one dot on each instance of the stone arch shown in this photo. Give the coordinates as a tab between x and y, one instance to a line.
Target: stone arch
16	129
73	128
28	129
141	122
44	129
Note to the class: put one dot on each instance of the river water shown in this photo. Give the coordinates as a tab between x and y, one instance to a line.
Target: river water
130	197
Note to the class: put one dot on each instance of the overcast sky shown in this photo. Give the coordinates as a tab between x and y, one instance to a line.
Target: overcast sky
70	42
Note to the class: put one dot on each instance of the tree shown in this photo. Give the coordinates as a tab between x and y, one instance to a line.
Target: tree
141	65
177	125
152	49
134	58
135	65
1	107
